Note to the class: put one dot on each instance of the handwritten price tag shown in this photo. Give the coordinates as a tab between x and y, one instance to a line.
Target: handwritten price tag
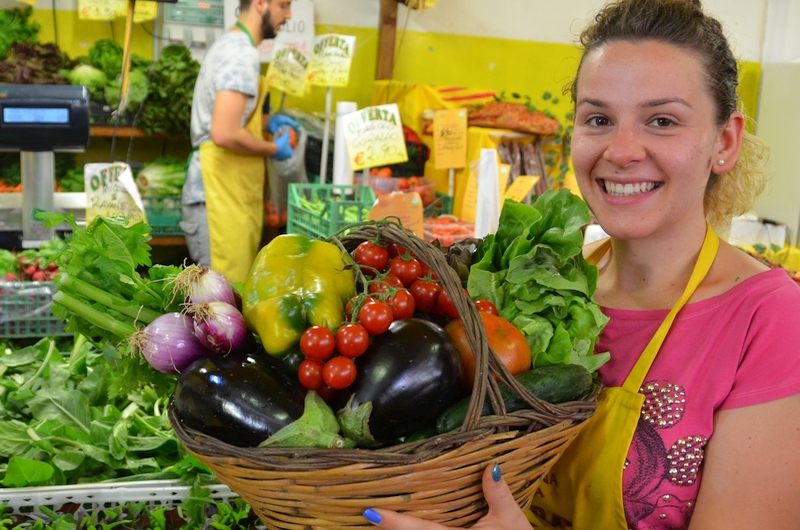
374	136
287	70
450	138
520	188
330	60
100	9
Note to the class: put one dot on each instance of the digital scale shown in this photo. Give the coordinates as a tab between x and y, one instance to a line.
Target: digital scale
37	121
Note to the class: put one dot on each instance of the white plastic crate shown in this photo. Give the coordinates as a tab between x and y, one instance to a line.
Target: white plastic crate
98	496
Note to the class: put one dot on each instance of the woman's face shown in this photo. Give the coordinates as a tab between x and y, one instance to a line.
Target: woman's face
645	140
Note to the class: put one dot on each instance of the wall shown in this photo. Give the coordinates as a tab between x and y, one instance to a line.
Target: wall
777	113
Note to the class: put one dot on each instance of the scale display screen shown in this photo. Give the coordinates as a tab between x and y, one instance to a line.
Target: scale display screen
46	115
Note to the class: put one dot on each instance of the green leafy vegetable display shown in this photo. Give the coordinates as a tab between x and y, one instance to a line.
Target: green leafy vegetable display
162	177
199	512
92	78
137	90
58	424
168	106
532	269
106	55
14	27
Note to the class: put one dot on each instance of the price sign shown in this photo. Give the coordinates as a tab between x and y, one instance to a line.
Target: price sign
450	138
374	136
111	9
99	9
520	188
287	71
330	60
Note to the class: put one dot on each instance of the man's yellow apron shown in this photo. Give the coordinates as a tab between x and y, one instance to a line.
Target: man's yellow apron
234	186
584	488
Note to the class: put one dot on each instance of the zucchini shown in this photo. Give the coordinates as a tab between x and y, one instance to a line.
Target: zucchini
554	384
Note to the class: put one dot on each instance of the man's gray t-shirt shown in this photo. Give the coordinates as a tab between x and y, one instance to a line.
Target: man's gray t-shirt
232	63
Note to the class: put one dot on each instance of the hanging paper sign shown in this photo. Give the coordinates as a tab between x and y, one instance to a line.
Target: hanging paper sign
144	12
100	9
111	191
287	71
520	188
374	136
330	60
450	138
111	9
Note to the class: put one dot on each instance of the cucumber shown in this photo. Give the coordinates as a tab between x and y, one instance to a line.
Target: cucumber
554	384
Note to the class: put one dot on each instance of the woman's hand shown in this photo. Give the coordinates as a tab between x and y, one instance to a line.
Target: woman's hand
504	514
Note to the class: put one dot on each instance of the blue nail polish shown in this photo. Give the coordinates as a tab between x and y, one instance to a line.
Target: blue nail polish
372	516
496	472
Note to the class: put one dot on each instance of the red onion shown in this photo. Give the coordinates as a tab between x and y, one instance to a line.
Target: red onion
168	343
201	285
220	327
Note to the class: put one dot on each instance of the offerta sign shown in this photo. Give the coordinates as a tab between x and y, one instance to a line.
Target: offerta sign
374	136
287	71
330	60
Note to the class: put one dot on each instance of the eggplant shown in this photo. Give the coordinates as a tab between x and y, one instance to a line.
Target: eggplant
408	376
240	398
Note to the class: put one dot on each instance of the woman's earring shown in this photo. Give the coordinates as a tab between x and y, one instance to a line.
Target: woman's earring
721	162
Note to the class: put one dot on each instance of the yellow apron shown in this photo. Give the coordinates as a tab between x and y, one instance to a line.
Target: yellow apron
234	186
584	488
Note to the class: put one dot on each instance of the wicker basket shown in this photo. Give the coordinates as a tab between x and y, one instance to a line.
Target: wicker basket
438	479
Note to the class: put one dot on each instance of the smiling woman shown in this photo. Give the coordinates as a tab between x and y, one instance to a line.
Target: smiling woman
661	156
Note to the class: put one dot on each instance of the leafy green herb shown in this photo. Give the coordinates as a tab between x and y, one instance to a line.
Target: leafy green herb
14	27
532	269
168	106
58	425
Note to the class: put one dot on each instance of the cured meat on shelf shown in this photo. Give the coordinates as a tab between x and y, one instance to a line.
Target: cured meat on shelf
513	116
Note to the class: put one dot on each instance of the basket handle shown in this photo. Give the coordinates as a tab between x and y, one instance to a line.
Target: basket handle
487	363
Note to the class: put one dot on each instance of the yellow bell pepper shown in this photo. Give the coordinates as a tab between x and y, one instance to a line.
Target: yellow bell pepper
294	283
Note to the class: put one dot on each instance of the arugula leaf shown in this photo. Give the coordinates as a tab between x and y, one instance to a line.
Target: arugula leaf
532	269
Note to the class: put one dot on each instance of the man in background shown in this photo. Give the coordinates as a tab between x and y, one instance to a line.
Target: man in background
223	198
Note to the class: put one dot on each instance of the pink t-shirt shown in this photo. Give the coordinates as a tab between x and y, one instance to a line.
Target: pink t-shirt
738	349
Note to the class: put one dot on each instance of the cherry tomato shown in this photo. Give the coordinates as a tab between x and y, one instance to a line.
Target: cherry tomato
427	271
371	256
339	372
325	392
310	374
348	308
402	304
426	295
375	316
352	340
407	269
413	182
317	343
397	250
402	183
382	285
445	306
485	306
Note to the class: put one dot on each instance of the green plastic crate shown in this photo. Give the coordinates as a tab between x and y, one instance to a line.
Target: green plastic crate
443	205
163	215
26	310
320	210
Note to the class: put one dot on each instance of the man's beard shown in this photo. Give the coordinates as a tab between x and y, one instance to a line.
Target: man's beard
266	26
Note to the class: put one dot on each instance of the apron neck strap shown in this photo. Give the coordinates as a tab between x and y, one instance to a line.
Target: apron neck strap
246	32
707	254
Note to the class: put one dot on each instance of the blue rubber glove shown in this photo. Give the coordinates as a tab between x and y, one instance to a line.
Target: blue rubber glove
277	121
284	147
